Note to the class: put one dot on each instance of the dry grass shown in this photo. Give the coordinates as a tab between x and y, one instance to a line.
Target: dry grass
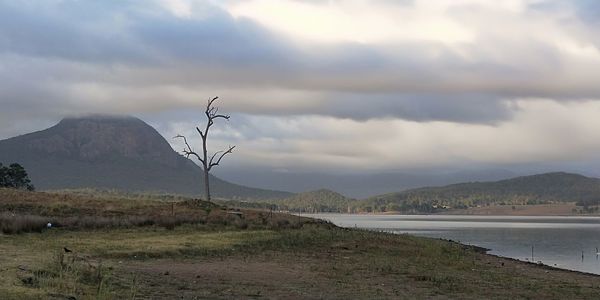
22	211
13	224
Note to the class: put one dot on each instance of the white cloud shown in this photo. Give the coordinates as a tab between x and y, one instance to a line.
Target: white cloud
355	21
180	8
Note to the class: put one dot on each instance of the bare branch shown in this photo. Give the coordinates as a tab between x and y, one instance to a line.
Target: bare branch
188	151
226	117
212	112
212	158
211	101
200	132
223	153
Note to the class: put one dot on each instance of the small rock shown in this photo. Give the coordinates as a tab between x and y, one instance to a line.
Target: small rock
27	280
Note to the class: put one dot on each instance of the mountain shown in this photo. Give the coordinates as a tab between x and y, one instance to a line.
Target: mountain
315	201
535	189
113	152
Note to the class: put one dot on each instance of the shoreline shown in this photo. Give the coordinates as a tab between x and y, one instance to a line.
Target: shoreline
398	213
485	251
477	248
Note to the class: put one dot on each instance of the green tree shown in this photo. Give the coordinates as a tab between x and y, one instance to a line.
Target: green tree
3	176
15	176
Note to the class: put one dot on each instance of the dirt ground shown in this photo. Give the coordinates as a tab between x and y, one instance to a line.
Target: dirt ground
335	276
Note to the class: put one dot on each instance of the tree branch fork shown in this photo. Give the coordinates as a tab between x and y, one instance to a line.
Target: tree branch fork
212	113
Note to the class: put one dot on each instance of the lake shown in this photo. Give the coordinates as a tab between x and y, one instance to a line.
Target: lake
564	242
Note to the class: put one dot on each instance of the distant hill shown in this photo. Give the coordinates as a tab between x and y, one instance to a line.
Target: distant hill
537	189
315	201
358	185
113	152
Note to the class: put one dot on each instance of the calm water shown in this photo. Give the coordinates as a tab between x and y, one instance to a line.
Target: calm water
556	241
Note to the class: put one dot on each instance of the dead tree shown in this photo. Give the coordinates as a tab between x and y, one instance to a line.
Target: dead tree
212	113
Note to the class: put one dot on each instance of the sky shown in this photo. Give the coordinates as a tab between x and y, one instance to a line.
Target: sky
343	87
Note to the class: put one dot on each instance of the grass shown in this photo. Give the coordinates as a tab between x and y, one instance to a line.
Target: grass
14	224
31	212
268	256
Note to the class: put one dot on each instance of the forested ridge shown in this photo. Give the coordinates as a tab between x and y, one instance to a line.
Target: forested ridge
546	188
558	187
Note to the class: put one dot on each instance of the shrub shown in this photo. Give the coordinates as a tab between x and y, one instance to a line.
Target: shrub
15	176
13	224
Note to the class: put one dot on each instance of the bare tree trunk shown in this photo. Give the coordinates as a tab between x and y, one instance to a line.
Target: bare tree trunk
207	164
206	168
206	185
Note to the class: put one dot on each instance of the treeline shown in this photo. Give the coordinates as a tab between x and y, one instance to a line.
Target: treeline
308	202
315	201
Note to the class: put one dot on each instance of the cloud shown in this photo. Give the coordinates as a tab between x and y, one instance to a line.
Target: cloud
354	21
542	130
430	81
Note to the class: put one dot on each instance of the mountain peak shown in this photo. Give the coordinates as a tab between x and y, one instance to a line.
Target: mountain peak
101	137
100	118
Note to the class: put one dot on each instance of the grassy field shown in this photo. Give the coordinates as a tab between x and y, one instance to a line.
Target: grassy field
141	249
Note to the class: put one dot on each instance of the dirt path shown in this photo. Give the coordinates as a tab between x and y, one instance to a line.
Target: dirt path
229	278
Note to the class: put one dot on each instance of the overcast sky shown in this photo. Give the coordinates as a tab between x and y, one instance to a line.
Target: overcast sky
320	86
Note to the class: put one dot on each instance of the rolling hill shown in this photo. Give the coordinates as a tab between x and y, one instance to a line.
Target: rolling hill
536	189
114	152
315	201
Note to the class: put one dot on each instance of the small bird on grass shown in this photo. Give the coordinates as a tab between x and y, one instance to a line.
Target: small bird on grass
67	250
